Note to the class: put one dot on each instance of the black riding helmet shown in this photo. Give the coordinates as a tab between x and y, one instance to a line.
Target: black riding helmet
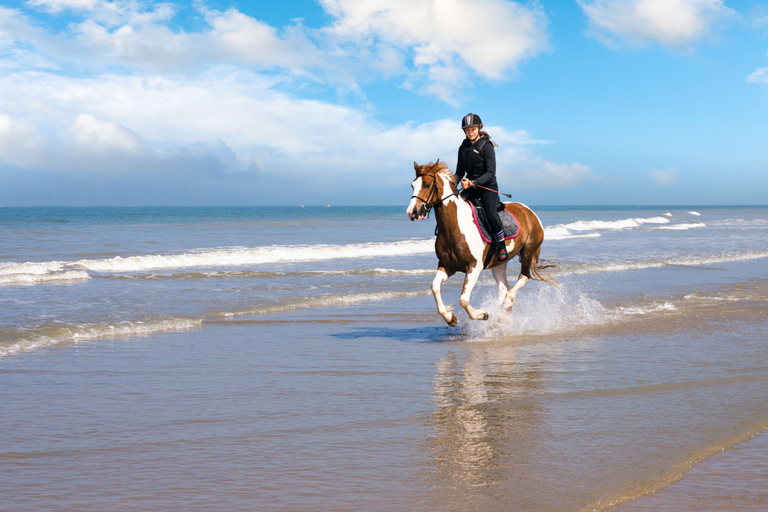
470	120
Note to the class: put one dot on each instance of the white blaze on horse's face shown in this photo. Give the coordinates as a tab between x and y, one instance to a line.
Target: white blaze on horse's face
411	211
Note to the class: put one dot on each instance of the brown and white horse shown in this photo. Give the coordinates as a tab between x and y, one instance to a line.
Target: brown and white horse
460	248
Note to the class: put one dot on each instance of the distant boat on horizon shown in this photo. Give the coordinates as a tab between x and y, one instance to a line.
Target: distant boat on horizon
328	206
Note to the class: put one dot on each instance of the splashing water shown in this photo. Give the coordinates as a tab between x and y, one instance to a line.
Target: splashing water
543	310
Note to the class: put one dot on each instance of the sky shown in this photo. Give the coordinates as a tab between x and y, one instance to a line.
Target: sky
591	102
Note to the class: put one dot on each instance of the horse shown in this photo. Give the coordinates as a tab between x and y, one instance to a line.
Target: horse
460	248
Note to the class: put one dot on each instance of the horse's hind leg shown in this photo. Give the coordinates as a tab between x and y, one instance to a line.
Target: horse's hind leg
500	275
469	283
527	259
444	311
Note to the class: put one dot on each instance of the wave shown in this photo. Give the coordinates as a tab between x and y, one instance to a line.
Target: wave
221	274
55	335
58	334
684	226
325	301
30	267
562	231
257	256
641	265
621	312
30	279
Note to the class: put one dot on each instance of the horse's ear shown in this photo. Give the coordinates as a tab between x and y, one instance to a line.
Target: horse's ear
416	166
437	163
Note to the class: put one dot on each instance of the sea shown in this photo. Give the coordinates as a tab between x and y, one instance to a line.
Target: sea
292	359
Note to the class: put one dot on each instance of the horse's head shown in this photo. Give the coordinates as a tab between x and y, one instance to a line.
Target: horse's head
428	188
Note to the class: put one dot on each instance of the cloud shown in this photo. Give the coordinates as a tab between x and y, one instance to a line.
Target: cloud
18	142
125	93
664	178
436	46
537	173
57	6
448	38
759	76
98	136
673	23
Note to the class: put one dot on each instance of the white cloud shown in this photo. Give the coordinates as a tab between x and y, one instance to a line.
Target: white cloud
537	173
147	97
437	46
759	76
96	135
447	37
18	142
665	177
674	23
139	35
235	122
57	6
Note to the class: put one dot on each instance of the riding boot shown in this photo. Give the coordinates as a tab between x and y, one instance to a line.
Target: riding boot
501	241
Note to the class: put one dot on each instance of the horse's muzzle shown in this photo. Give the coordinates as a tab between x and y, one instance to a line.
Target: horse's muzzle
418	213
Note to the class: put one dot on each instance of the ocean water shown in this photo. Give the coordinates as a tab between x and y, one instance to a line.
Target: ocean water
287	358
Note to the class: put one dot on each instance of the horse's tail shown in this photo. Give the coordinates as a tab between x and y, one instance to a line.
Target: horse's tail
542	270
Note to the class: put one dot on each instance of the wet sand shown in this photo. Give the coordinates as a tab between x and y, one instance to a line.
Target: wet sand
735	479
379	407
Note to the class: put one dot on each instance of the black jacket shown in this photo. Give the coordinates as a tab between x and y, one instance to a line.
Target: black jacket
478	162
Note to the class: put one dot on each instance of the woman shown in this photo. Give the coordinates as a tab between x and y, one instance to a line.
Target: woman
477	160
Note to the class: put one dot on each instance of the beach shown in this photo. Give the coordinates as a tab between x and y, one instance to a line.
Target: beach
292	359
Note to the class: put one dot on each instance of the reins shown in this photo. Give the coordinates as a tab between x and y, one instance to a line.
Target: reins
428	205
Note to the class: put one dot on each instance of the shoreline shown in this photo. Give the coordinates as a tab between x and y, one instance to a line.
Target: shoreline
734	479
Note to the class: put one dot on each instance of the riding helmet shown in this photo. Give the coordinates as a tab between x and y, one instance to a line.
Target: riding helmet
471	120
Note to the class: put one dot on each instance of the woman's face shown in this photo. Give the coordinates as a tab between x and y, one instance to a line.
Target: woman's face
472	132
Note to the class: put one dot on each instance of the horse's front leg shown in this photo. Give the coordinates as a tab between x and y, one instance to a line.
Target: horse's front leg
469	283
444	311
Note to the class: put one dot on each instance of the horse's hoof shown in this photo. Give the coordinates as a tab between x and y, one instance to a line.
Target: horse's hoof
483	315
453	321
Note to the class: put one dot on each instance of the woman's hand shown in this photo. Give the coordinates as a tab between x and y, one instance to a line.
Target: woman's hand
465	183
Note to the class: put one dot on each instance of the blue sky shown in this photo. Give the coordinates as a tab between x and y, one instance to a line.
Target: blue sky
331	101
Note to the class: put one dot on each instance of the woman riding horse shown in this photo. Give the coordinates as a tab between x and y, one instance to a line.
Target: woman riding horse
460	247
477	160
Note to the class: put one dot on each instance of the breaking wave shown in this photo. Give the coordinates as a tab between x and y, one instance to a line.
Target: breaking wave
57	334
579	228
640	265
29	279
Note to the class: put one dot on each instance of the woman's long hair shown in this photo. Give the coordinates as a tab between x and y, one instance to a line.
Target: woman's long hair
485	134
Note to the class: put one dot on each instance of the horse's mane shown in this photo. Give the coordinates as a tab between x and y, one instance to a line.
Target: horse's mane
441	168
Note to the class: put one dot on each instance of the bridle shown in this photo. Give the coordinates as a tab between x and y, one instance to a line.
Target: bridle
428	205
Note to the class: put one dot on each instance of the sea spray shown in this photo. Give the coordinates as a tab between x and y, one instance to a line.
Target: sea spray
539	311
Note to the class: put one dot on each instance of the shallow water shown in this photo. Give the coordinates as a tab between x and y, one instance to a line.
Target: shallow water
223	370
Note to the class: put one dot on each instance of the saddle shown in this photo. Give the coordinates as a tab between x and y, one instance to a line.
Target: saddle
508	222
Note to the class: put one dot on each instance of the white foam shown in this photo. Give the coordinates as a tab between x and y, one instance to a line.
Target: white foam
641	265
695	213
30	267
683	227
642	310
257	255
63	334
564	231
31	279
693	296
538	311
324	301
